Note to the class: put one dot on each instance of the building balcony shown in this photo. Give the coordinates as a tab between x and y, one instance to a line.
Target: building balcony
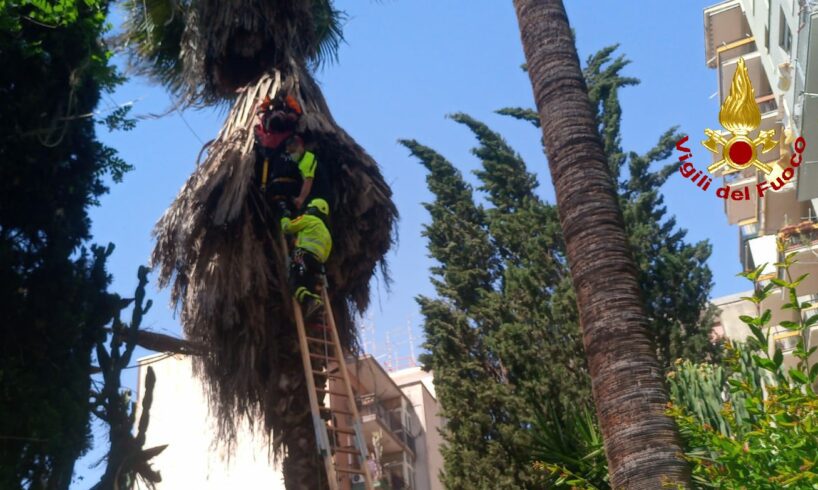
375	416
805	110
724	24
801	236
398	474
728	57
743	210
783	211
787	341
767	105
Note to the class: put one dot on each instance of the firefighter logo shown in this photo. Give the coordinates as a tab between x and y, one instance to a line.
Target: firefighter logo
740	116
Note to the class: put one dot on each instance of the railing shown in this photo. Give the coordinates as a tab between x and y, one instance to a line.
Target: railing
767	103
393	472
404	437
736	48
374	408
803	234
391	419
808	6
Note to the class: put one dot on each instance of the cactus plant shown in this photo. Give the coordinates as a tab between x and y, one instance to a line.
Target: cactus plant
704	390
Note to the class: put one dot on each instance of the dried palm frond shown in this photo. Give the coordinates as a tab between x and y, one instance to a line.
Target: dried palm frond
218	244
158	342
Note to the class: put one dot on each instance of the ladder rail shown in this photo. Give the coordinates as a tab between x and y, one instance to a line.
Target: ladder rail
356	417
321	436
321	429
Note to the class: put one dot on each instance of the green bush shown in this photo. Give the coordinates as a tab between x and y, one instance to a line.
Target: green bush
761	440
747	423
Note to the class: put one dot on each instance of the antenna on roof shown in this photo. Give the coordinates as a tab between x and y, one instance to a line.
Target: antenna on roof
367	335
412	358
390	353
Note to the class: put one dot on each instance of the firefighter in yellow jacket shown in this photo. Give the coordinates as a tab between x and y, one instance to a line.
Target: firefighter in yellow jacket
313	244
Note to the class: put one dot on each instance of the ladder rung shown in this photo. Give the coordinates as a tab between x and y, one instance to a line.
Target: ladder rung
341	431
328	375
347	450
349	470
336	393
316	339
321	356
333	410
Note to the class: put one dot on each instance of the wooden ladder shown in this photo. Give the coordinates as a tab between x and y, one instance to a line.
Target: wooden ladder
323	358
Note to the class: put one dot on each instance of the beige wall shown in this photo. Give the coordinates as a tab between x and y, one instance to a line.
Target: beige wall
418	387
179	418
192	460
434	440
732	308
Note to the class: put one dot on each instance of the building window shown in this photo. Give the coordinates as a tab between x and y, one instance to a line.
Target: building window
748	230
808	313
784	33
767	38
812	309
748	257
787	341
803	14
767	27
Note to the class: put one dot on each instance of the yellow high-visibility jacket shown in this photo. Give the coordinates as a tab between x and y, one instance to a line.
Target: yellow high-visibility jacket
307	165
311	234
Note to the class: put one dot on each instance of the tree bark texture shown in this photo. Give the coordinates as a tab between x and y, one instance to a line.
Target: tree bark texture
641	442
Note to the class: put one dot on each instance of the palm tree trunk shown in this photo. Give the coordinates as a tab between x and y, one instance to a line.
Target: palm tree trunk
218	246
641	441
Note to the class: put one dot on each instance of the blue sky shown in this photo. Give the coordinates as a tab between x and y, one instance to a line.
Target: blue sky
405	65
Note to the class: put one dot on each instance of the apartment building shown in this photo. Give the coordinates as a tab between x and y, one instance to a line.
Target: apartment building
778	40
399	411
399	418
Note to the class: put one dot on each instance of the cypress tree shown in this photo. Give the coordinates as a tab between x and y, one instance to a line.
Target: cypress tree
464	320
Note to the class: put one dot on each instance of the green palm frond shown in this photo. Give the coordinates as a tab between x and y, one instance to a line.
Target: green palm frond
568	447
153	35
329	32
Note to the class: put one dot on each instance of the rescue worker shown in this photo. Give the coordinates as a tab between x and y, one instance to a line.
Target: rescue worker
277	121
314	180
313	244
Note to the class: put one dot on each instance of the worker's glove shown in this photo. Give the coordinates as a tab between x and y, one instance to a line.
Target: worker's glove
284	222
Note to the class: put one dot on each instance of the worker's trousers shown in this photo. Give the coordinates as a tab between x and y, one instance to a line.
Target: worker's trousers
305	275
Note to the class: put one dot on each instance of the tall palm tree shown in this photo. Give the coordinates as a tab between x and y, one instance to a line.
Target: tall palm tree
217	243
641	442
